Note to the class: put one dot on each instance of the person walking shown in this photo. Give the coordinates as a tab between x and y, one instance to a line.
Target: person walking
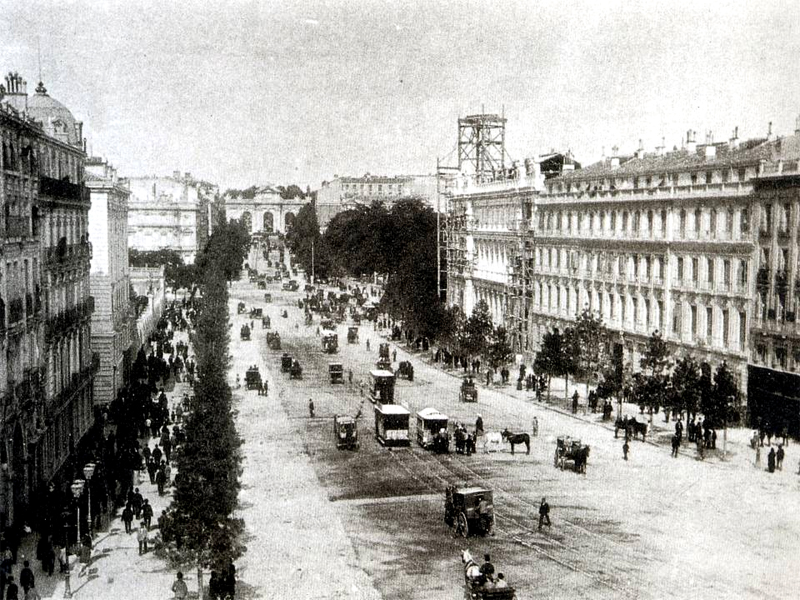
147	513
779	456
367	345
535	424
676	444
771	460
136	503
310	408
625	449
758	456
179	587
394	355
141	537
544	513
161	481
127	517
12	590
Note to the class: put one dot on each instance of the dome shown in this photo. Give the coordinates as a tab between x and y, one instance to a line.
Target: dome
56	118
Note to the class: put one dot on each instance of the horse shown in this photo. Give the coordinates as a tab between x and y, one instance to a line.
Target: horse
636	428
492	441
517	438
581	458
472	570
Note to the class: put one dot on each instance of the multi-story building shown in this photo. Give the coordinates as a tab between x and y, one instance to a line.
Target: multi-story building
148	282
262	209
169	213
698	243
47	361
342	193
112	322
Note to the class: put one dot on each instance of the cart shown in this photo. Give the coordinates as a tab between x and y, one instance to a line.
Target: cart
432	430
273	340
256	313
252	379
352	335
382	391
469	392
267	297
336	372
570	450
330	343
461	511
244	333
286	362
295	371
406	370
241	308
346	432
391	425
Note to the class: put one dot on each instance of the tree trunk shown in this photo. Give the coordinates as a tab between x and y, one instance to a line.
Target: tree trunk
200	582
549	380
566	387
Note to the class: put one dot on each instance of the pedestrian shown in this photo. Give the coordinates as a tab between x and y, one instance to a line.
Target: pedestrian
179	587
350	376
771	460
161	481
157	454
127	517
367	345
310	408
147	513
141	537
544	513
575	402
625	449
676	444
535	426
136	504
779	457
758	456
394	355
12	591
152	467
26	577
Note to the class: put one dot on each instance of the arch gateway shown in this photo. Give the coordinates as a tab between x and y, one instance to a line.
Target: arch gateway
263	208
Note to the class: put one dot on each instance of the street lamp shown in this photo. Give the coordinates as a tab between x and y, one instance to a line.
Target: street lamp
77	490
88	471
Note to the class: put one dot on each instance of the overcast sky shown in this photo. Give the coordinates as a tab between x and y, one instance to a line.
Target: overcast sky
277	91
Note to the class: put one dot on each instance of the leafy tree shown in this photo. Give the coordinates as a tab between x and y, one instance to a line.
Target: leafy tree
477	330
686	385
304	240
552	359
722	403
586	343
171	260
655	364
226	250
499	351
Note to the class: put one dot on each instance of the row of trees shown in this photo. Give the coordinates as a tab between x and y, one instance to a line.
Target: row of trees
583	351
200	519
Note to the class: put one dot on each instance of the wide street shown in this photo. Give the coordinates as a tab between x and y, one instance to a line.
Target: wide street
328	523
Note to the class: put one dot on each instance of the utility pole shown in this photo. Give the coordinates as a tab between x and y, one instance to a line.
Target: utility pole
438	233
312	261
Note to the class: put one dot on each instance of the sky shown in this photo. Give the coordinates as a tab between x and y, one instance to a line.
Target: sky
247	93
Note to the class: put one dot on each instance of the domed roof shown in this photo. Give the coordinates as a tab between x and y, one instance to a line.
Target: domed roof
56	118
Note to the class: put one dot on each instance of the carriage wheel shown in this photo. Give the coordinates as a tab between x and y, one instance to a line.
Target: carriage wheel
463	525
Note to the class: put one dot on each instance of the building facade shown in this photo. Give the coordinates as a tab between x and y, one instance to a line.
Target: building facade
148	282
169	213
112	322
342	193
47	363
262	209
698	243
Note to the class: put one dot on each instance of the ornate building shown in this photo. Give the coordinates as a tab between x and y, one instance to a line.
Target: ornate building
262	209
112	322
46	361
169	213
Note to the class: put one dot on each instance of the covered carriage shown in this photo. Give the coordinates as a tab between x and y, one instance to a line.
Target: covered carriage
330	343
352	335
391	425
345	431
295	371
570	450
469	391
286	362
336	372
382	391
462	510
252	379
244	333
406	370
432	430
273	340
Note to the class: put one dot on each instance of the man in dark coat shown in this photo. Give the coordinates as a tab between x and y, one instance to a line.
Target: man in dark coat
544	513
779	457
127	517
26	577
771	460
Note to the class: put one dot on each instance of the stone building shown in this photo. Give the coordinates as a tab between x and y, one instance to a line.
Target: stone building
148	282
112	322
262	209
697	242
169	213
46	364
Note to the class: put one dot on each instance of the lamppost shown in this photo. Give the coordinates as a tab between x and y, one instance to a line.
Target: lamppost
77	490
88	471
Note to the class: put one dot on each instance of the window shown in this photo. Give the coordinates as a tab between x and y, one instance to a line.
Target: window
647	267
635	306
726	273
650	222
710	270
694	321
698	219
742	330
683	222
637	221
713	222
726	175
676	319
636	183
786	218
745	225
709	322
780	356
709	177
766	219
725	319
675	179
625	221
743	273
680	269
695	269
742	173
663	222
694	178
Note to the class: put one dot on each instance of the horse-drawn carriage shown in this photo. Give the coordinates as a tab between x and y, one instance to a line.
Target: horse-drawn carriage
328	325
406	369
432	430
241	308
295	371
330	343
352	335
476	585
336	372
571	450
382	391
266	323
468	392
256	313
268	298
462	511
252	379
391	425
273	340
286	362
346	432
244	332
630	426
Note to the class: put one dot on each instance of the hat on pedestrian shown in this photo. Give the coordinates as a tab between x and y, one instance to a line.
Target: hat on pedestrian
479	414
486	557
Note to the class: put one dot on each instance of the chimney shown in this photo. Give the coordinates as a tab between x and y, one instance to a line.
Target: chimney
711	151
770	135
733	143
640	150
691	144
660	149
615	157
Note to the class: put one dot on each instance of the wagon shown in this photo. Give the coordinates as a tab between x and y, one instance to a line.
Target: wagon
286	362
391	425
468	392
352	335
406	370
382	391
267	297
570	450
241	308
461	510
252	379
345	431
330	343
274	340
295	371
256	313
430	425
244	332
336	372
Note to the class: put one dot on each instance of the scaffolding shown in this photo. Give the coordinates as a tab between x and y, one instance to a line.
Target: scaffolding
482	146
520	281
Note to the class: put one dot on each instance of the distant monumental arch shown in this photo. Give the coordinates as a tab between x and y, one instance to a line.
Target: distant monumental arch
263	209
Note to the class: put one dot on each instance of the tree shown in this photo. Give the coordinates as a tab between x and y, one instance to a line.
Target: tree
477	331
305	242
655	364
551	359
171	260
686	385
499	351
226	250
723	401
586	343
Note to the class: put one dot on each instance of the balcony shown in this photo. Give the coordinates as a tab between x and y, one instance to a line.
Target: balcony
58	189
762	278
18	227
16	311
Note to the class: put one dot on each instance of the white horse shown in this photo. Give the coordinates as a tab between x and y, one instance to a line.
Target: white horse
472	571
493	442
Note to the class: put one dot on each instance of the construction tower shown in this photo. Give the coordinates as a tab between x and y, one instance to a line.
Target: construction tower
482	146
